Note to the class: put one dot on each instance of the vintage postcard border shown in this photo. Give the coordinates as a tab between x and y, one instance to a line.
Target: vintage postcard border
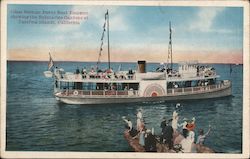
245	132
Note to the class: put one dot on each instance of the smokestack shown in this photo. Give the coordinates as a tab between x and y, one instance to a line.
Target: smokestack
141	66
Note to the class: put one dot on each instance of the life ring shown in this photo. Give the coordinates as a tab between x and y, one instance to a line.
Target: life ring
75	92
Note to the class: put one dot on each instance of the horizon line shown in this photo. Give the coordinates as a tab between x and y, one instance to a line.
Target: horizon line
115	61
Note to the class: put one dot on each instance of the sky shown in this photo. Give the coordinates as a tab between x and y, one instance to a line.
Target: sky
206	34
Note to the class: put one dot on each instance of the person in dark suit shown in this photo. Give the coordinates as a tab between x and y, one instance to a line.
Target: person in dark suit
168	135
163	125
150	142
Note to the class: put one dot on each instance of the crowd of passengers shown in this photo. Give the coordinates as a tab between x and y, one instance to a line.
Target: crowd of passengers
108	73
189	83
169	133
205	71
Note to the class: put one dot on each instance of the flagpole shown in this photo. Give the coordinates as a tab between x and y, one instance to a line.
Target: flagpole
108	38
170	42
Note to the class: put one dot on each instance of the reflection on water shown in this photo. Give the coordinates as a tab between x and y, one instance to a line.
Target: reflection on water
36	121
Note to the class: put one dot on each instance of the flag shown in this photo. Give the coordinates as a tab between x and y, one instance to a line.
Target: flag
51	63
106	14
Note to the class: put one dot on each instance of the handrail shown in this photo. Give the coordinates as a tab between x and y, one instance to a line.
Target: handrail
96	76
200	89
100	93
134	93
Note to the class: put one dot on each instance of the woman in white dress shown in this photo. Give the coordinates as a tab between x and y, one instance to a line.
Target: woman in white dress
175	121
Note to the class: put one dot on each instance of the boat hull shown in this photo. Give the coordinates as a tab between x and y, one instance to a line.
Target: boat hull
134	99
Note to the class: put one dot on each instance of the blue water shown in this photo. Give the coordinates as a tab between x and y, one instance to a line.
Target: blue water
37	122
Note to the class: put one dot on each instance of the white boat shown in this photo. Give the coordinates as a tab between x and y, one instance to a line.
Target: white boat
48	74
191	81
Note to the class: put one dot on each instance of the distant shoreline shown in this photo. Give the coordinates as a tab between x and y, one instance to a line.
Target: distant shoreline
112	62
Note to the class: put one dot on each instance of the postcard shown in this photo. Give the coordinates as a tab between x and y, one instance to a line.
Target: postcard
124	79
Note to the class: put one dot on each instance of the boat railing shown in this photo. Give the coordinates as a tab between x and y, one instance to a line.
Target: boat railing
100	93
96	76
190	90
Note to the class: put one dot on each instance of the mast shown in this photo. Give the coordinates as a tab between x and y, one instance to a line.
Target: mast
170	55
108	38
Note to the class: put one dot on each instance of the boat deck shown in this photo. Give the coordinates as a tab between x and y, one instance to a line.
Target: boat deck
135	93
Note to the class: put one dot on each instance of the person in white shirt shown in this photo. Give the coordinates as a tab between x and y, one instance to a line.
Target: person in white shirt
138	124
186	143
175	119
191	136
138	121
129	123
139	114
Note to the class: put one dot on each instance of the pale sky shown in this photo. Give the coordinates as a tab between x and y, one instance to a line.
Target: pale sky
206	34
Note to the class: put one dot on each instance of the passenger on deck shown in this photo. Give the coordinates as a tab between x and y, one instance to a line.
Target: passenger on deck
130	72
150	142
84	72
168	135
201	138
77	70
92	73
109	71
125	88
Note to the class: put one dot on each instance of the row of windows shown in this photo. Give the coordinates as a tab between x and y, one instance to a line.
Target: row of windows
97	86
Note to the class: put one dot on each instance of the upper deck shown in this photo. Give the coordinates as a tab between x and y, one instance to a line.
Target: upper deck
127	77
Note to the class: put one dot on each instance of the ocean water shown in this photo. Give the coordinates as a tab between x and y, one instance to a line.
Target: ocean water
37	122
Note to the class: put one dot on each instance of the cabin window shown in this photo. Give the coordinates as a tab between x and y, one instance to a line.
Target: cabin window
127	86
188	84
119	86
70	85
78	85
64	85
133	86
99	86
